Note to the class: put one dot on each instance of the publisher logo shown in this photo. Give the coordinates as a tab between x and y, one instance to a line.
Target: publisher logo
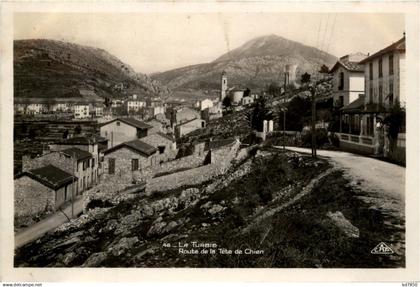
382	248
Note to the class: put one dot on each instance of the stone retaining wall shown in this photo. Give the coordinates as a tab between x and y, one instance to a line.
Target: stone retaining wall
197	175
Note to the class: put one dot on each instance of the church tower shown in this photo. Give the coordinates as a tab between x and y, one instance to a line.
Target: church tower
224	86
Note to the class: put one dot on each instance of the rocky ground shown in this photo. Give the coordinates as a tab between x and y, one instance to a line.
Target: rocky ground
273	209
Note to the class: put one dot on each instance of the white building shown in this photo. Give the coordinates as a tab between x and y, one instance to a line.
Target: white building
206	103
348	79
134	105
81	110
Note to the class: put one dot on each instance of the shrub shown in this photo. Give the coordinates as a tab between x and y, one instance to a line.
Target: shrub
321	137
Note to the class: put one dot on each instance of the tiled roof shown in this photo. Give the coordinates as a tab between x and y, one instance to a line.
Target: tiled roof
82	140
132	122
77	153
348	65
355	106
397	46
50	176
136	145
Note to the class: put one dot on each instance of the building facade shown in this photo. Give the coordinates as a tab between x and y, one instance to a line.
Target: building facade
348	79
121	130
123	160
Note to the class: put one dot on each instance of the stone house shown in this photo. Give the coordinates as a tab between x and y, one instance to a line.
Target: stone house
189	126
74	161
157	126
181	115
121	130
41	190
165	144
348	79
212	113
94	146
123	160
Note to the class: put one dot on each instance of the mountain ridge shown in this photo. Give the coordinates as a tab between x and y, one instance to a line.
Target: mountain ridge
257	63
52	68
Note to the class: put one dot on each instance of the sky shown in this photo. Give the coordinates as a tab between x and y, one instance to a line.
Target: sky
156	42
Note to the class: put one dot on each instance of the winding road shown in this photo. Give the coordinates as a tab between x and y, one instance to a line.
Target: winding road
375	176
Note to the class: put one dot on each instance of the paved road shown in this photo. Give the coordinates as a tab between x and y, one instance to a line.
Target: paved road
373	174
53	221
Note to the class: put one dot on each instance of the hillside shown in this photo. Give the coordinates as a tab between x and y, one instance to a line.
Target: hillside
255	64
55	69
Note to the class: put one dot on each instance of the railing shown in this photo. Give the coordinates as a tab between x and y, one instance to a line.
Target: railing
356	139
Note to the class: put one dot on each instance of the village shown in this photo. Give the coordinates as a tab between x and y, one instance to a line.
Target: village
91	153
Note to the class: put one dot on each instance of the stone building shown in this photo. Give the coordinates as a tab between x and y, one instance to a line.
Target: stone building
189	126
121	130
348	79
41	190
181	115
74	161
165	144
121	161
94	146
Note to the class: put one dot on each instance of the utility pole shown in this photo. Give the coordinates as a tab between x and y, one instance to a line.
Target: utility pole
313	131
72	189
286	80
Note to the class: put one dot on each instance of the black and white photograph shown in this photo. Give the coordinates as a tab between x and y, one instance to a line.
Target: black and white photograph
210	140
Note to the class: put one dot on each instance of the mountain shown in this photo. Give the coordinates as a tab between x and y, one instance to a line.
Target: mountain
255	64
55	69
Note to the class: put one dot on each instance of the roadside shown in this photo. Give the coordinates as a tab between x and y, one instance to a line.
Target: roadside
52	221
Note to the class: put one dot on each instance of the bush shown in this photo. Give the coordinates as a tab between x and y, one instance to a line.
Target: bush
321	137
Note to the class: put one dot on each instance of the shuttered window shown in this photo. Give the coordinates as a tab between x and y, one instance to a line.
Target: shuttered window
111	165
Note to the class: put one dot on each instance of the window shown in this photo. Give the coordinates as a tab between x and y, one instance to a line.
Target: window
341	81
118	123
93	162
370	94
380	100
370	71
84	165
380	68
391	93
161	149
391	64
106	133
88	163
111	166
134	164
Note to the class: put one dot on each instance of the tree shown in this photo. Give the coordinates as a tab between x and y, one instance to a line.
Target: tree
65	134
274	89
227	102
257	116
395	120
298	111
324	69
77	130
305	78
108	102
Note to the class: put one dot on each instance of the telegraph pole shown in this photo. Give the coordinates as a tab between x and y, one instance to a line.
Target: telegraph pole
286	80
313	131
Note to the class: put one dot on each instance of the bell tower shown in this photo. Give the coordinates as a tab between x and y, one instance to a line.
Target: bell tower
224	86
